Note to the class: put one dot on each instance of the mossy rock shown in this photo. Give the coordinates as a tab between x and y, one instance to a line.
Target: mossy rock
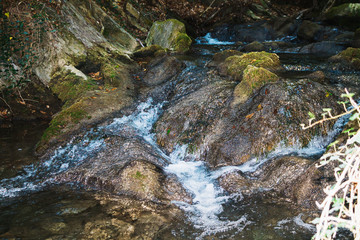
93	107
68	86
149	51
350	57
253	79
346	15
170	34
235	65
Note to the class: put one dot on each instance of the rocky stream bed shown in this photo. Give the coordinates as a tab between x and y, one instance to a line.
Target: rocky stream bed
202	141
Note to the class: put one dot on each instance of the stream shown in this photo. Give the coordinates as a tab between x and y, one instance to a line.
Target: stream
34	206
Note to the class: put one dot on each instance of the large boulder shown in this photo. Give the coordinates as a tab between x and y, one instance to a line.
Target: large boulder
323	48
235	65
161	70
276	176
253	79
227	134
346	15
169	34
127	166
310	31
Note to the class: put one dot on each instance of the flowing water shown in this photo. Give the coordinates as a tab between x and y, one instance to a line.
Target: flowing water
35	207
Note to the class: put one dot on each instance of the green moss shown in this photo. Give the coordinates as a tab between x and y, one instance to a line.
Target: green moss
68	116
139	176
254	78
182	43
351	55
237	64
69	87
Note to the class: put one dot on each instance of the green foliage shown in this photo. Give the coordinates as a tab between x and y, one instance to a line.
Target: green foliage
22	29
340	208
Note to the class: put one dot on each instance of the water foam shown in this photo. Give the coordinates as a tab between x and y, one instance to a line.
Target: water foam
208	40
194	175
35	176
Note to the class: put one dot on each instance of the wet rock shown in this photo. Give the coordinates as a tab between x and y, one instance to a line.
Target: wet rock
73	208
132	168
277	176
318	76
253	79
169	34
162	69
236	182
310	31
187	119
346	15
349	58
235	65
224	134
254	47
132	219
324	48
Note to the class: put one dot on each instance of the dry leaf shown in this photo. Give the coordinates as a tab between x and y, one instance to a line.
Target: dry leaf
250	115
113	89
93	97
259	107
42	112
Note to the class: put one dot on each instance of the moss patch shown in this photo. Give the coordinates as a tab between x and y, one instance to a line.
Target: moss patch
253	79
349	56
182	43
69	116
69	87
237	64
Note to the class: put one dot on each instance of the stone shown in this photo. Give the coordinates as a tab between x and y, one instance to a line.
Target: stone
318	76
323	48
224	134
235	65
170	34
253	79
310	31
254	47
162	69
